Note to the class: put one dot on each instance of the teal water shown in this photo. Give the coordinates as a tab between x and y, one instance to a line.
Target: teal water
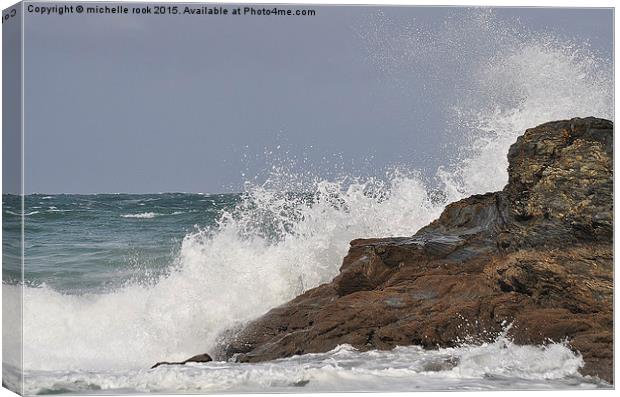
77	243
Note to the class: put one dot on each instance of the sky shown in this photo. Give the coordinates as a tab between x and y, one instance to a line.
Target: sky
147	104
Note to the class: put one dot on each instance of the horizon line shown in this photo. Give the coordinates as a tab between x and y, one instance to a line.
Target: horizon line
114	193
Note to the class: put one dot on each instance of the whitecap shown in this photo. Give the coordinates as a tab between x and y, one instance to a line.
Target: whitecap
142	215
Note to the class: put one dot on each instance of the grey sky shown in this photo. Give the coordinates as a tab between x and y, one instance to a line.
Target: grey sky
11	94
155	104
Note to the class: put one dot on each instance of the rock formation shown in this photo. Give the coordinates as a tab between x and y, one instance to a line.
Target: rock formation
199	358
537	255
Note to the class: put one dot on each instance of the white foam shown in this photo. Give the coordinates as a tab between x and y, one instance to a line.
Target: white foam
142	215
150	215
22	213
220	278
490	366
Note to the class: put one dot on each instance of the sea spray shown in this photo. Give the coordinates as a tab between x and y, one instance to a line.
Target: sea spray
270	248
549	81
495	79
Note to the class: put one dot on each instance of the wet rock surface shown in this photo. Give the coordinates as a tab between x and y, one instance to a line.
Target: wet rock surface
199	358
537	255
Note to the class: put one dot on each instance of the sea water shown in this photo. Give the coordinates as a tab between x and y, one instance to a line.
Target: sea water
115	282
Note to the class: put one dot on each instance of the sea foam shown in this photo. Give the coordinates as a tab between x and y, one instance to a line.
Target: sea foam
142	215
494	365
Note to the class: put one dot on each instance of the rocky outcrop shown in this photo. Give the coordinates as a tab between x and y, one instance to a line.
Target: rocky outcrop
537	255
199	358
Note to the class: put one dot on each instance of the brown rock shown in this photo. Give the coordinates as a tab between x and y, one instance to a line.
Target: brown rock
199	358
537	254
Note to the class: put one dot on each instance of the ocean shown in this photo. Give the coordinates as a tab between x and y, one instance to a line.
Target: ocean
87	243
114	283
117	282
